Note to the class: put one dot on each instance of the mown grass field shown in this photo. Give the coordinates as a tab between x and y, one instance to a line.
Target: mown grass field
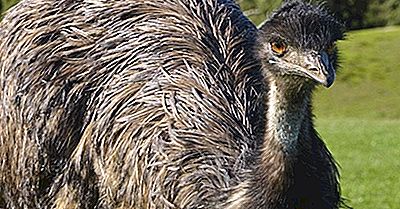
359	118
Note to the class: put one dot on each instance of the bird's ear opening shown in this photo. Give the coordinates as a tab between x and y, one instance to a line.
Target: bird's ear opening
331	48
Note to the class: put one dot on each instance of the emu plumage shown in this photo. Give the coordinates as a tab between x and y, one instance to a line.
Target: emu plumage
153	104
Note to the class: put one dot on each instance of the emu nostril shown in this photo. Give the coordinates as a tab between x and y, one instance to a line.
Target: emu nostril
313	69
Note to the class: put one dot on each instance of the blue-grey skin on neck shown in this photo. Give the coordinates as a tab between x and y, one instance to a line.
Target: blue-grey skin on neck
286	110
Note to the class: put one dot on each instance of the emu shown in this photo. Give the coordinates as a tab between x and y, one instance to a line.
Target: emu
164	104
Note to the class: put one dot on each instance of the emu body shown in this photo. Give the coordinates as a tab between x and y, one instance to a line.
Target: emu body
150	104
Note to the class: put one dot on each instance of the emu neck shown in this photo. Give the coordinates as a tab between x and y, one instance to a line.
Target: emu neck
287	107
286	120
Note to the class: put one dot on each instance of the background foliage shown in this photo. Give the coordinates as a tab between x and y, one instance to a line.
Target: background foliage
356	14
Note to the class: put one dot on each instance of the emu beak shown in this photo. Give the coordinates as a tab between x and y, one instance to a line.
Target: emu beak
318	67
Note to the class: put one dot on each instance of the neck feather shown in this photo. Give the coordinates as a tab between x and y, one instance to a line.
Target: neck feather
286	120
287	107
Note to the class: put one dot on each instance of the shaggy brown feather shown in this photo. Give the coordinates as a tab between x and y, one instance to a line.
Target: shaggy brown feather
142	104
124	103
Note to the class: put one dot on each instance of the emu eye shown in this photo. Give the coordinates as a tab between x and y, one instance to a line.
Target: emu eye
278	47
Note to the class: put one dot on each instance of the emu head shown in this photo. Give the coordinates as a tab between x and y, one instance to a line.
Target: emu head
298	42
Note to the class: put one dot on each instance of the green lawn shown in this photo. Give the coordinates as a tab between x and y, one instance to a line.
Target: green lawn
368	152
368	84
359	118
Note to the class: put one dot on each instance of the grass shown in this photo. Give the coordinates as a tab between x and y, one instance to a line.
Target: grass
359	118
7	4
368	82
368	152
